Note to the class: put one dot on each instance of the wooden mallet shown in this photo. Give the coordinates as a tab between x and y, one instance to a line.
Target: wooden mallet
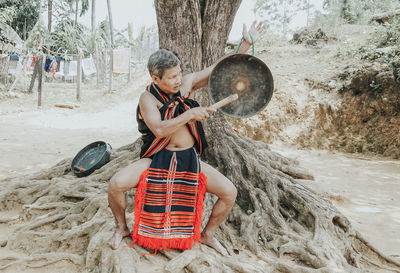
224	102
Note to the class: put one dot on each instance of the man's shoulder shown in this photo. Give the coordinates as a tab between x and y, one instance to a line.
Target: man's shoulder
145	95
146	98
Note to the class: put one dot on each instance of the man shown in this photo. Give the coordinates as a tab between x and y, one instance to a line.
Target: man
170	123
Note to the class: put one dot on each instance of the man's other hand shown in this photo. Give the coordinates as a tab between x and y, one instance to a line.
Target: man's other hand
256	30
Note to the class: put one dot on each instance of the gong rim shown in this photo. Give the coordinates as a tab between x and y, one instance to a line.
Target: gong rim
247	76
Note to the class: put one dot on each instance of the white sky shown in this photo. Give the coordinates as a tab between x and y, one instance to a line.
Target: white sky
141	13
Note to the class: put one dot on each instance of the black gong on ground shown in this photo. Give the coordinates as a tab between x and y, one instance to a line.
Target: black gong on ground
247	76
90	158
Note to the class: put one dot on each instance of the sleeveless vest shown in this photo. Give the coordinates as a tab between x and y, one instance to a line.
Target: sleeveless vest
172	107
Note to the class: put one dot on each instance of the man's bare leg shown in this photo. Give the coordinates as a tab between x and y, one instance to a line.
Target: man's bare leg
222	187
125	179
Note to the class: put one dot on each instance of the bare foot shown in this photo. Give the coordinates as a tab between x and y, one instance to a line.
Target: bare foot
212	242
117	237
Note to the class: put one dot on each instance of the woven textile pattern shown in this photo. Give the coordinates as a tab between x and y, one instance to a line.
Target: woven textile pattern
169	201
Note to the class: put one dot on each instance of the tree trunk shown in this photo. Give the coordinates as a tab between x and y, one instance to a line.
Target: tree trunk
276	225
38	47
76	14
111	23
34	74
93	17
49	14
274	214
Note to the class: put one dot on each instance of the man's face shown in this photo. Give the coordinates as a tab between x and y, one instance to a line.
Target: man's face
171	80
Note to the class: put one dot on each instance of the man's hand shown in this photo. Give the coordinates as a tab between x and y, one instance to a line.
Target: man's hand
200	113
254	31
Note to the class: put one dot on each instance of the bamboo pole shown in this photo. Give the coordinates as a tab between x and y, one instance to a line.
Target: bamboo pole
40	79
130	58
110	84
97	65
79	78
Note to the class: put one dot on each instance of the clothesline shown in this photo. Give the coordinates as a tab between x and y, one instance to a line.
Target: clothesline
11	63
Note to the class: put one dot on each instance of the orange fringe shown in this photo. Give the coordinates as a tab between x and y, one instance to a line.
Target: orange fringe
165	244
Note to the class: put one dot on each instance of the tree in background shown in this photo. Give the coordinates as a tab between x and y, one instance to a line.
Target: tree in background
84	8
279	13
93	16
358	11
68	37
24	15
49	14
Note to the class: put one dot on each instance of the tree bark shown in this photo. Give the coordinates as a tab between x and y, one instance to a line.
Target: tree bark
111	23
34	74
76	13
49	14
93	16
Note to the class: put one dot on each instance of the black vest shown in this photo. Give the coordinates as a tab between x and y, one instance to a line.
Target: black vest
172	107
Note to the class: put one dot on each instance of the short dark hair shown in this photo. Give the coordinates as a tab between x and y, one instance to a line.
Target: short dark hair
161	60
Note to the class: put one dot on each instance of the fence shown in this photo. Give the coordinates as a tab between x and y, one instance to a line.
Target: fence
101	67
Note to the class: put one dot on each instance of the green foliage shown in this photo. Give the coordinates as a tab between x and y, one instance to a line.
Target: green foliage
62	9
84	5
68	39
7	14
382	47
358	11
65	37
23	12
279	13
130	32
103	35
387	34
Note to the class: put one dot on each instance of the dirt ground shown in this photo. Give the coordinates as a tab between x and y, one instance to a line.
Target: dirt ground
365	189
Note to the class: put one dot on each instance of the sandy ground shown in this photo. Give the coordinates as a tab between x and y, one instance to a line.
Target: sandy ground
33	138
365	189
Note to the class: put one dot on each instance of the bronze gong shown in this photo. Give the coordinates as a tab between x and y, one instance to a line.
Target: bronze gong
246	76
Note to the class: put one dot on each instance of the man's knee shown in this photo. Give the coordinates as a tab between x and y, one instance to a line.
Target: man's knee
230	193
117	183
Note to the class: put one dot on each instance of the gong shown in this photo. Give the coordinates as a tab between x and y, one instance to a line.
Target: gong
246	76
90	158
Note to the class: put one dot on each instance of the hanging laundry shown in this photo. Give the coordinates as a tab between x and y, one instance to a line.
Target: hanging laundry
14	66
88	66
58	60
30	64
47	64
4	59
14	57
70	68
53	68
50	66
121	60
60	70
34	61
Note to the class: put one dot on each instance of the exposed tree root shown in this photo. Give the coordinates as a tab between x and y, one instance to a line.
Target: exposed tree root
42	260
